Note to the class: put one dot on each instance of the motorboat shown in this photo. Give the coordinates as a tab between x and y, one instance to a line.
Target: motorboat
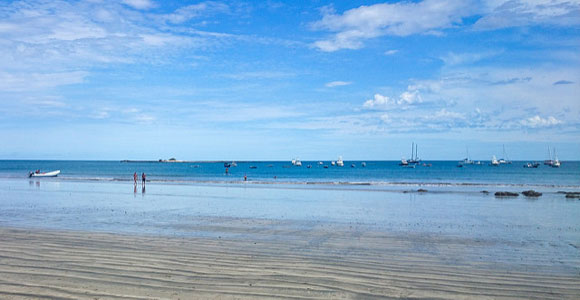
339	162
403	162
363	164
296	162
494	161
532	165
353	166
37	173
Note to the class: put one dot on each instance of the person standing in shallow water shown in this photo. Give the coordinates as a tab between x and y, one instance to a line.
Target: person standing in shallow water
135	178
143	178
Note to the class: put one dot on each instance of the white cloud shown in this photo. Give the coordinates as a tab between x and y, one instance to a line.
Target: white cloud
379	101
511	13
162	40
30	81
145	118
539	122
385	118
189	12
337	83
391	52
259	75
409	97
444	115
54	43
100	115
400	19
140	4
508	96
432	17
466	58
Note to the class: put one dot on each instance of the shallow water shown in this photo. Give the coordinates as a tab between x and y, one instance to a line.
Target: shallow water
512	228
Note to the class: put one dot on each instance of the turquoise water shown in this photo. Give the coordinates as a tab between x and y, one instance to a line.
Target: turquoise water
375	172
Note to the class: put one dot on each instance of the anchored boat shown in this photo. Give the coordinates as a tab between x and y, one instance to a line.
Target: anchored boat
44	174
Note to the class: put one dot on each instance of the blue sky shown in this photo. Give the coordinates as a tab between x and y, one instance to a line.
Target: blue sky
145	79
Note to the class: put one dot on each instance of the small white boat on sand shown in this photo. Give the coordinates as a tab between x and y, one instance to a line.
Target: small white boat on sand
44	174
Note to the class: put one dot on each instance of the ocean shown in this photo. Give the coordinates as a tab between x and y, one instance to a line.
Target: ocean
376	173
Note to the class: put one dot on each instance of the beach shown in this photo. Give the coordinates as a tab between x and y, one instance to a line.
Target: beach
70	239
322	263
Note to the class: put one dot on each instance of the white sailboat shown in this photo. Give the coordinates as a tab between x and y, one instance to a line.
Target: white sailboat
504	160
553	161
466	160
414	157
556	163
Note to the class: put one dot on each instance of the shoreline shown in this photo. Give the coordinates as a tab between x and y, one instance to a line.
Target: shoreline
282	182
320	264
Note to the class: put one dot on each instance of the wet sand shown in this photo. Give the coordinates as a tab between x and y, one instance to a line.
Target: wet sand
323	262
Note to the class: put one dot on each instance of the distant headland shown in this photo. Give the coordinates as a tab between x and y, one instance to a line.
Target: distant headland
171	160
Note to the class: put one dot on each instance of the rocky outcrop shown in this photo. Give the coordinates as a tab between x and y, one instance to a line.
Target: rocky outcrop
531	193
506	194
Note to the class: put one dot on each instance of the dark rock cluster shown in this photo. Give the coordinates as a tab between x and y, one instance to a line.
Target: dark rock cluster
506	194
531	193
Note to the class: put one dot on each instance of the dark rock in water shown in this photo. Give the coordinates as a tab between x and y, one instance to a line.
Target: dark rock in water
422	190
531	193
485	192
506	194
573	195
561	192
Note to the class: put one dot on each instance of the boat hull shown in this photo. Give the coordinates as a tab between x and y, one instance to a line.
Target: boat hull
45	174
